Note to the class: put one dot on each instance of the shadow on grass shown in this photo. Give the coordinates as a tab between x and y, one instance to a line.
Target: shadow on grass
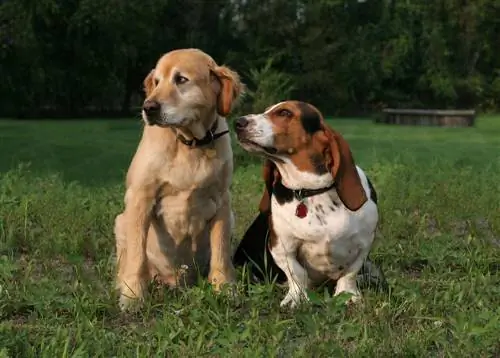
93	153
97	153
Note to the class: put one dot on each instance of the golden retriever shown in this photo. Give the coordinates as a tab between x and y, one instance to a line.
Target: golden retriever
178	219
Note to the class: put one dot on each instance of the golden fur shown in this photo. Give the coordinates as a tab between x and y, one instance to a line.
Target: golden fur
178	219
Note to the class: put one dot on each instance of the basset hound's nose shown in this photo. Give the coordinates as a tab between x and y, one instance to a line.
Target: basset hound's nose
151	107
241	123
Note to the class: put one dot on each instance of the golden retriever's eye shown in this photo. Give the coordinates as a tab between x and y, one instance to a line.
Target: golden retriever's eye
179	80
285	113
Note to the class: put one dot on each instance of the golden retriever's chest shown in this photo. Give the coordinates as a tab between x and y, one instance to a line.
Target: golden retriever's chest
187	213
192	191
186	173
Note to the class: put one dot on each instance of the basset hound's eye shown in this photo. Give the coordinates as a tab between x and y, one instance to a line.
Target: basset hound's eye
179	79
285	113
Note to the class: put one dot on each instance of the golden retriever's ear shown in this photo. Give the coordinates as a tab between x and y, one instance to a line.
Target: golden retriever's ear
343	170
149	83
230	91
271	175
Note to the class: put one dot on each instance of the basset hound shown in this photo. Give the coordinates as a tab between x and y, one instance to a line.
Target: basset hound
319	209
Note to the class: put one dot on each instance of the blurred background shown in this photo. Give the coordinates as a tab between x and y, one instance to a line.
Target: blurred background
77	58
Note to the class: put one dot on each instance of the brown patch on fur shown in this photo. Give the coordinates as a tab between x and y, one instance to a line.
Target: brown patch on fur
319	164
271	175
149	83
343	169
273	238
231	88
292	138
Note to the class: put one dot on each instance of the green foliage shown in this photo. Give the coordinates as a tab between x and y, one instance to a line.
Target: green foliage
269	86
438	243
74	57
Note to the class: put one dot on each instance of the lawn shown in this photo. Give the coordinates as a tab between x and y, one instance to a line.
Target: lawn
61	184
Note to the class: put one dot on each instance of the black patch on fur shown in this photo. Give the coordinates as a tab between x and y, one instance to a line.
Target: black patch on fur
321	219
253	250
332	208
341	268
309	118
283	195
319	207
318	163
373	193
334	202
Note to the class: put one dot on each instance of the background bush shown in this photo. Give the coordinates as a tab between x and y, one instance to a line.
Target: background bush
89	57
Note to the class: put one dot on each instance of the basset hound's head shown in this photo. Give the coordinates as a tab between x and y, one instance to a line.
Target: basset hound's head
301	150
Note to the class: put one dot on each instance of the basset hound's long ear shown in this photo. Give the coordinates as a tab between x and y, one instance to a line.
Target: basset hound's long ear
231	88
344	171
271	175
149	83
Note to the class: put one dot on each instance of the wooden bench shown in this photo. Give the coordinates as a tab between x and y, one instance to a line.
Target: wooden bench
429	117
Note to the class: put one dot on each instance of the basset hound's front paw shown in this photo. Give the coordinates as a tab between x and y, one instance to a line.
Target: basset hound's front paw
294	297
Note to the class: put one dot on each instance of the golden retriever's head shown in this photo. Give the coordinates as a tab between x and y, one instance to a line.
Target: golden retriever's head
187	89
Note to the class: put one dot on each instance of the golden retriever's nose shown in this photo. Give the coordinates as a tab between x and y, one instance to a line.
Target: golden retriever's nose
241	123
151	108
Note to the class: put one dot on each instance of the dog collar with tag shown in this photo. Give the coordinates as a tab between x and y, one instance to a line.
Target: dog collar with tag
301	194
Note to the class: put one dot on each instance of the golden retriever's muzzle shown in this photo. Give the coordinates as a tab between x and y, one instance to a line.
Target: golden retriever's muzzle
152	111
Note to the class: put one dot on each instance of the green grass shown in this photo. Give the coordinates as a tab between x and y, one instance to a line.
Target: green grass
61	184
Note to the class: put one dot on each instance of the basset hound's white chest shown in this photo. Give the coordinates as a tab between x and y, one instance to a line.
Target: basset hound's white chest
329	238
324	220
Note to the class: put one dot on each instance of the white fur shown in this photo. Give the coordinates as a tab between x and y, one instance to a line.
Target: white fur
261	130
312	249
270	109
295	179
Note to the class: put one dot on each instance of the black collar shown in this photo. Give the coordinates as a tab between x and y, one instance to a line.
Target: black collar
284	193
209	137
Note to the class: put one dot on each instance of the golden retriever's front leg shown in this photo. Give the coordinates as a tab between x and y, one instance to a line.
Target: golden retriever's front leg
132	273
221	267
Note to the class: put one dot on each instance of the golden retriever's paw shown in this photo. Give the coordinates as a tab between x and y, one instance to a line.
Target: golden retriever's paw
129	304
131	295
223	281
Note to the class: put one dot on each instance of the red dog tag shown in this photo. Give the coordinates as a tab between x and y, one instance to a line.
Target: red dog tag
301	210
